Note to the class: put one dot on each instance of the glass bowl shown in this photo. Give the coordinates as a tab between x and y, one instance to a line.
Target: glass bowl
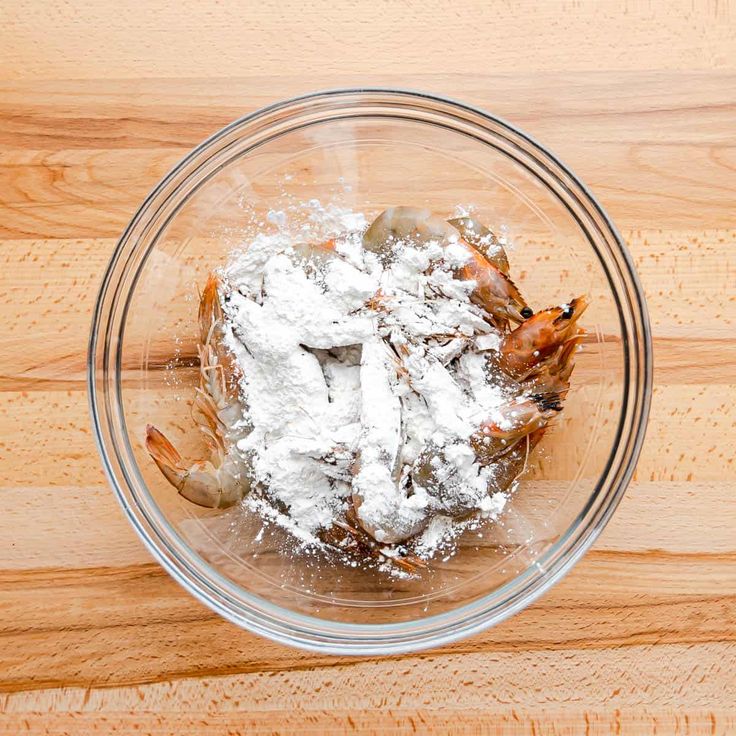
366	150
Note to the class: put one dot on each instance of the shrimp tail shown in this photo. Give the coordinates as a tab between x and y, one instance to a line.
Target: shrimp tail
166	456
201	484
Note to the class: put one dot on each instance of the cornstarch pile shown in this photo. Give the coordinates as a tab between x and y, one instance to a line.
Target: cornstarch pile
363	378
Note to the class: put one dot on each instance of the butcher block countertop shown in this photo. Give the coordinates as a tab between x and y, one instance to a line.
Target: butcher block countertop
99	99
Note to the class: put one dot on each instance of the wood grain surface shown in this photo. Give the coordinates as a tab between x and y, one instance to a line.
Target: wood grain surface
99	99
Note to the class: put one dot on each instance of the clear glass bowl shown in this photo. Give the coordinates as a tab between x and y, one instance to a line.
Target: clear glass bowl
368	149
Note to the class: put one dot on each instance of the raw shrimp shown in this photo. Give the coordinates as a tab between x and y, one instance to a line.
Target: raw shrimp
317	253
493	291
514	422
483	240
458	493
512	464
554	374
316	321
413	224
540	341
539	356
216	483
373	377
450	477
224	478
430	379
349	536
382	507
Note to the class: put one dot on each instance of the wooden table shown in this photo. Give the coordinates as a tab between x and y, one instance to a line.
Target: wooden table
98	100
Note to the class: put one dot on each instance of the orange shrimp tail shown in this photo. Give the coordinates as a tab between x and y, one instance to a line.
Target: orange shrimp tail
166	457
160	449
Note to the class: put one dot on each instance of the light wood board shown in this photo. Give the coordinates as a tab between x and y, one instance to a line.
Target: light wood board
99	99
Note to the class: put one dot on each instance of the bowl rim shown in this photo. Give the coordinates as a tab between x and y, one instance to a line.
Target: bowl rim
302	630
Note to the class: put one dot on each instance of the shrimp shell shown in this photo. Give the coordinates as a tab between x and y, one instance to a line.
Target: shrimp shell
223	479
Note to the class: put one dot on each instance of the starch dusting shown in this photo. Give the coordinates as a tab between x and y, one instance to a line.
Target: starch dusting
350	367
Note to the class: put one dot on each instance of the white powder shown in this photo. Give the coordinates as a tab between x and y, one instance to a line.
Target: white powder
351	367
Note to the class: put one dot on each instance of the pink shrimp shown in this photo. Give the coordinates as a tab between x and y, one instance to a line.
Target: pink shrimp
494	291
222	479
514	422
